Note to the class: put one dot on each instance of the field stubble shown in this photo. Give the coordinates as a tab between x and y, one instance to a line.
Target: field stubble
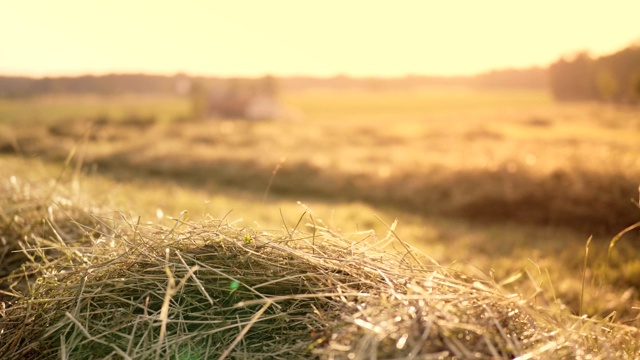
509	182
476	156
88	282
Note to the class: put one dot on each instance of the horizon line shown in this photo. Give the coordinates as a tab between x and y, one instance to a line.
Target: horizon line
265	74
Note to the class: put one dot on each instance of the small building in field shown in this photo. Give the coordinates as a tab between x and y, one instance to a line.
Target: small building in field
250	99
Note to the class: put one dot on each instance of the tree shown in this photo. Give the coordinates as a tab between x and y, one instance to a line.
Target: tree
268	86
199	101
573	80
614	78
607	84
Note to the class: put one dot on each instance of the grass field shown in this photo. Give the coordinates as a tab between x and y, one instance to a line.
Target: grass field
505	184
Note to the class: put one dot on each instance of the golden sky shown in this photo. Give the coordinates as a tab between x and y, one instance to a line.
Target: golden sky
360	38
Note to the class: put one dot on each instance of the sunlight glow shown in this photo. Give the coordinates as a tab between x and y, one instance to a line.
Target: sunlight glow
291	37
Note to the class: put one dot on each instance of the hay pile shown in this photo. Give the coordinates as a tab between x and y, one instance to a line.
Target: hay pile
92	285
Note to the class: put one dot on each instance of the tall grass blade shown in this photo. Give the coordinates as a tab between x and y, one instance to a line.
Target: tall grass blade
584	274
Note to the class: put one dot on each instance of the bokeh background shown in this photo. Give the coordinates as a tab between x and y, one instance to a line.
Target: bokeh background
501	135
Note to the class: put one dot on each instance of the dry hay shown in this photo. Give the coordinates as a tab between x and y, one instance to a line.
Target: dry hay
108	287
37	214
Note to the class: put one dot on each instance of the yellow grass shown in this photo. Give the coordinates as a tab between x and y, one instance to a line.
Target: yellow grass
54	108
506	182
90	282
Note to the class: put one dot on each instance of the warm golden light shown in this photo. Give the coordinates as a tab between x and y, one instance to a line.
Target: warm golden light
291	37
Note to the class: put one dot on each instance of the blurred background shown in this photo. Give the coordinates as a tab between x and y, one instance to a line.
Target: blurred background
502	135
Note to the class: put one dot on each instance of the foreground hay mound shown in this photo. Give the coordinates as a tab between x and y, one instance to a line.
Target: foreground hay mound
114	288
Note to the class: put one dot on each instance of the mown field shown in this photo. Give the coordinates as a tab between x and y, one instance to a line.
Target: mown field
506	184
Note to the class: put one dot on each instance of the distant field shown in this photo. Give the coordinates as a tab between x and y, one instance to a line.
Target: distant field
52	109
494	179
490	156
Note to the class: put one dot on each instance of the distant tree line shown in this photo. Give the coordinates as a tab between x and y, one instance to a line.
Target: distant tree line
611	78
532	78
104	85
372	83
181	83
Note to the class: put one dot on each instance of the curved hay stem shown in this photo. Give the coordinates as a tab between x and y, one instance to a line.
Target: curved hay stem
90	337
410	252
172	289
244	331
584	273
613	242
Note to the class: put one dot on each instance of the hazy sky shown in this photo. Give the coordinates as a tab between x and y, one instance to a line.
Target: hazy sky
231	37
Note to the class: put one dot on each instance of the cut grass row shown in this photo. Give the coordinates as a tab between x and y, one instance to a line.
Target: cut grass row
482	156
592	201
